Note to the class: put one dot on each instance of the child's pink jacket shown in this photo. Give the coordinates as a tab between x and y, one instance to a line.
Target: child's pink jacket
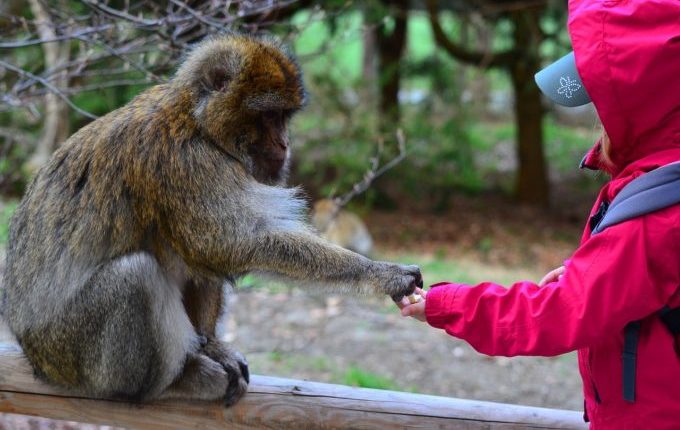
628	55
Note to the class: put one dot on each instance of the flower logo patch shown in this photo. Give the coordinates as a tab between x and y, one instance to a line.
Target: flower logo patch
568	87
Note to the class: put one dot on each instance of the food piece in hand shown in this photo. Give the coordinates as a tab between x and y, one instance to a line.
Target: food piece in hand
415	298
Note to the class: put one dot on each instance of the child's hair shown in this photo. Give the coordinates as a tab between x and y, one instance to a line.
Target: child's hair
605	148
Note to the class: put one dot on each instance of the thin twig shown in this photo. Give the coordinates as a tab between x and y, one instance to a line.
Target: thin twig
48	85
97	86
373	173
76	35
198	15
149	74
124	15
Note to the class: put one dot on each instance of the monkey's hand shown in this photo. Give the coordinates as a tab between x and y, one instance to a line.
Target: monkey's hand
398	280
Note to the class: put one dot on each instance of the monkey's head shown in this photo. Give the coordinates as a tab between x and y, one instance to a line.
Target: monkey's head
243	93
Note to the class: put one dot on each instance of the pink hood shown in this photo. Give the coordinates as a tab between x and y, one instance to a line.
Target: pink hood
628	56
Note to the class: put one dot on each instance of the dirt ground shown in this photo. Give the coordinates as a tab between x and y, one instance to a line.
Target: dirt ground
344	339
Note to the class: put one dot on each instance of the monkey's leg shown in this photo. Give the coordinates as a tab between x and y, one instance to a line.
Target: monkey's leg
203	300
139	334
123	334
136	339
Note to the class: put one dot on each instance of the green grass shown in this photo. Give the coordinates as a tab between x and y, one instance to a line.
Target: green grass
358	377
291	363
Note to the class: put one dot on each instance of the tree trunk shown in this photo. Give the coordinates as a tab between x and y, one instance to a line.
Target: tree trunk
56	124
532	186
368	63
390	46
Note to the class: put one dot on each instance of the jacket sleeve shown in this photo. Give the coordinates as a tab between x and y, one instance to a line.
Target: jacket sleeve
623	274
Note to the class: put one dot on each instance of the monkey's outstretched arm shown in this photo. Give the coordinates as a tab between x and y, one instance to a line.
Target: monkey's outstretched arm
305	257
233	225
225	246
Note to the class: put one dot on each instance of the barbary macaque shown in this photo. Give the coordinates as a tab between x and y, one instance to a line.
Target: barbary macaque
121	249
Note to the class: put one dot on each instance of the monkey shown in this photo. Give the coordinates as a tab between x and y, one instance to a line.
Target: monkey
341	227
124	242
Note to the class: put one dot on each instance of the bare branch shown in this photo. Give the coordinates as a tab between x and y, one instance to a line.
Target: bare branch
97	86
123	15
375	171
148	73
48	85
483	59
199	16
17	135
76	35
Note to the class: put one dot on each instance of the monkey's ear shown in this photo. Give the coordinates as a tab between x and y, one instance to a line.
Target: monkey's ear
216	78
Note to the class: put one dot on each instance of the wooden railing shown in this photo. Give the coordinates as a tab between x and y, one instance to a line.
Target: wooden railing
274	403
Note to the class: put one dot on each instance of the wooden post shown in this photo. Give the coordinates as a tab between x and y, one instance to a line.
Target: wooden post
273	403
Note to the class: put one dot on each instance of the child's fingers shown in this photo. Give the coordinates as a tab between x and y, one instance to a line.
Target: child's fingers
547	278
407	311
552	276
416	311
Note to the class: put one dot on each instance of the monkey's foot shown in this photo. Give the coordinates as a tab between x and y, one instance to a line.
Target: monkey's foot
236	366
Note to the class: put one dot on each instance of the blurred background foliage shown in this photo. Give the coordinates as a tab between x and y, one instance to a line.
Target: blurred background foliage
455	76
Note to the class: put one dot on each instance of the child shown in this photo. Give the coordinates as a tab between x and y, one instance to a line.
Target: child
627	53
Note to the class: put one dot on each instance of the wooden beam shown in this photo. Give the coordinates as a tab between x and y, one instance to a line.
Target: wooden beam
273	403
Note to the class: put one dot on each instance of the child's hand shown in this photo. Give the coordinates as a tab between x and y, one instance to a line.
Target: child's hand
552	276
415	310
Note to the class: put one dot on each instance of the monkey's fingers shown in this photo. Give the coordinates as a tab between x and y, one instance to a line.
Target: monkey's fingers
419	280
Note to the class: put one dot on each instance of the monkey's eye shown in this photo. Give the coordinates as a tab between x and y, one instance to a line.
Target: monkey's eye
217	79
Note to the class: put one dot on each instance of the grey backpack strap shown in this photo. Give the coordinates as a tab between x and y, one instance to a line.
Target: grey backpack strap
651	192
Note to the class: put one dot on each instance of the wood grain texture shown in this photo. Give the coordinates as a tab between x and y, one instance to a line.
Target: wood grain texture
274	403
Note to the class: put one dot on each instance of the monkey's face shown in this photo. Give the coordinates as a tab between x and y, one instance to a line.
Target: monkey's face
248	91
270	150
